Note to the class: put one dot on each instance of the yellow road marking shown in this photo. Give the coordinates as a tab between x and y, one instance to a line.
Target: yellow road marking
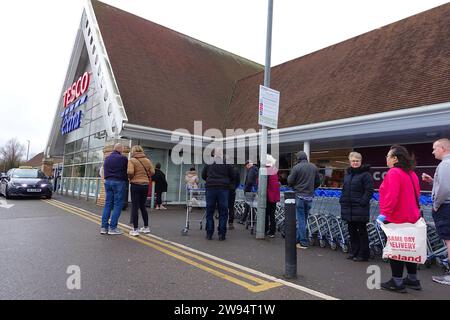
158	245
171	247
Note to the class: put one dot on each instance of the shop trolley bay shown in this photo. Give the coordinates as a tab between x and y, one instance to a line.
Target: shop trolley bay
324	224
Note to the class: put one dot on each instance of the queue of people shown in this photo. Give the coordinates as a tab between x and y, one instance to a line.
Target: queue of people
399	198
117	172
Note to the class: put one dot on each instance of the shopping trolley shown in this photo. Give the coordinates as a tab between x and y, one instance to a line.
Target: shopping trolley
239	204
195	198
251	200
339	233
437	250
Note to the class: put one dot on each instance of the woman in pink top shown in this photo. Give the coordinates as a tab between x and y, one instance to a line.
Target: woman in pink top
399	195
273	195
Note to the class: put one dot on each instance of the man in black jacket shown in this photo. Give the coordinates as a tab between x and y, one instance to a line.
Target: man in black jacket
250	186
218	176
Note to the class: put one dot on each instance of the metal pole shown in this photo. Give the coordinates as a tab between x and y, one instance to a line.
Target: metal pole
28	149
307	149
290	235
262	188
152	201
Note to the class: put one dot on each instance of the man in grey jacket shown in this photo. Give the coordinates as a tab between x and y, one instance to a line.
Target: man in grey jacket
441	196
304	179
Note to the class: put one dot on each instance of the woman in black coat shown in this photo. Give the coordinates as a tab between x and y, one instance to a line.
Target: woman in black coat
355	206
160	186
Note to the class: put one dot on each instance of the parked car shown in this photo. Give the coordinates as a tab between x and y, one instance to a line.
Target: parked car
25	182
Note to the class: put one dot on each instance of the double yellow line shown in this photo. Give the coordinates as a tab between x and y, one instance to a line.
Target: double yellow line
250	282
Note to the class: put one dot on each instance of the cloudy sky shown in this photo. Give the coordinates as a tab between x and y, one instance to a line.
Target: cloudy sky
38	36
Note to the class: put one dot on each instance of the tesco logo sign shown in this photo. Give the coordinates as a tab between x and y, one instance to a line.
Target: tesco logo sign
77	89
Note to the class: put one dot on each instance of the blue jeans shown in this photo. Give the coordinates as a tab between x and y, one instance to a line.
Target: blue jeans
114	198
216	198
302	208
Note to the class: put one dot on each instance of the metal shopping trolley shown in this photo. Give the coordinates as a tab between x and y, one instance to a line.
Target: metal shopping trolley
195	198
437	250
239	204
251	200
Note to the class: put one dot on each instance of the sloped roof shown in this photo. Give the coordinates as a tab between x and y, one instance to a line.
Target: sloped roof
167	79
402	65
36	161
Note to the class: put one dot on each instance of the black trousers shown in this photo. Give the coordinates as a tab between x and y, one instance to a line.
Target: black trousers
138	198
398	266
270	217
158	198
359	240
231	199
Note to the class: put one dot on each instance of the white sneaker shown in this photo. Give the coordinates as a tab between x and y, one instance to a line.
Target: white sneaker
445	279
144	230
157	208
162	207
115	231
134	233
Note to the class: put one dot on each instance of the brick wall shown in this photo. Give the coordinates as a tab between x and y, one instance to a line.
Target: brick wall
106	152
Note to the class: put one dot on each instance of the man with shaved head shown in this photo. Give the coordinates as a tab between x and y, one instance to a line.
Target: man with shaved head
441	197
116	179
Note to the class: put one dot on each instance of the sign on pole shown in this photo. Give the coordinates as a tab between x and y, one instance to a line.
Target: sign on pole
269	104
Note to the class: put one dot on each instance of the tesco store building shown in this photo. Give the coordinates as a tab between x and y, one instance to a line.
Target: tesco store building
134	81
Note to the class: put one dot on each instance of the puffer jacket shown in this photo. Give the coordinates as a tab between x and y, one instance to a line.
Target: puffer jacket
356	194
191	179
273	185
136	171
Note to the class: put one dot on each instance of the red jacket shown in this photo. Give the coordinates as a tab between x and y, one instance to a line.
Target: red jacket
273	185
397	197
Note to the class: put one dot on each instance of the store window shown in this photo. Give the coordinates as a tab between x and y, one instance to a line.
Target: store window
84	157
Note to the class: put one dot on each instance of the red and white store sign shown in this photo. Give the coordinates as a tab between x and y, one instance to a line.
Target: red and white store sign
77	89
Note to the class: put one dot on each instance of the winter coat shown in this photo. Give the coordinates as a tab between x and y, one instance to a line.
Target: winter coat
160	181
115	167
140	169
191	179
218	176
304	176
356	194
273	185
237	179
251	179
398	201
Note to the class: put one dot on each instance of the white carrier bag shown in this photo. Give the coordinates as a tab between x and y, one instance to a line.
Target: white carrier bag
406	241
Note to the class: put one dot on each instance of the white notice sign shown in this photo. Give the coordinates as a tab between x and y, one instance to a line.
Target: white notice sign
269	103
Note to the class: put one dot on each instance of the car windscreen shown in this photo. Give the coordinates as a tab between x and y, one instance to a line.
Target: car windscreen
27	173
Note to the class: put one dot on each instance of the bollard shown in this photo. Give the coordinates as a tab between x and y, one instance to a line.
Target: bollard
290	238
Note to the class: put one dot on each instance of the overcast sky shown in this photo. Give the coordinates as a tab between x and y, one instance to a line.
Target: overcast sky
38	36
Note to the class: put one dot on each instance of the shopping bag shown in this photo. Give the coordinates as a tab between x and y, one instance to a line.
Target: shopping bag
406	241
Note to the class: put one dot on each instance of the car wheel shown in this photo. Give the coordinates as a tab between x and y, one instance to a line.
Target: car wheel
48	196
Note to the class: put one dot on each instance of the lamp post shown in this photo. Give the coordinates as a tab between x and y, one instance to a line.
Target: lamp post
262	187
28	149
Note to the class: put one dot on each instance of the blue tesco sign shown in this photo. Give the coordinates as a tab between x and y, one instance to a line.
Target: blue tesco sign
72	119
71	122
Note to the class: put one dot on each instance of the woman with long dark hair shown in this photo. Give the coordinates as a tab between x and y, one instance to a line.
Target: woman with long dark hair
399	195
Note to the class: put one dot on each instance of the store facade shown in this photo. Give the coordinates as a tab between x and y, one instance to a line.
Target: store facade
353	96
